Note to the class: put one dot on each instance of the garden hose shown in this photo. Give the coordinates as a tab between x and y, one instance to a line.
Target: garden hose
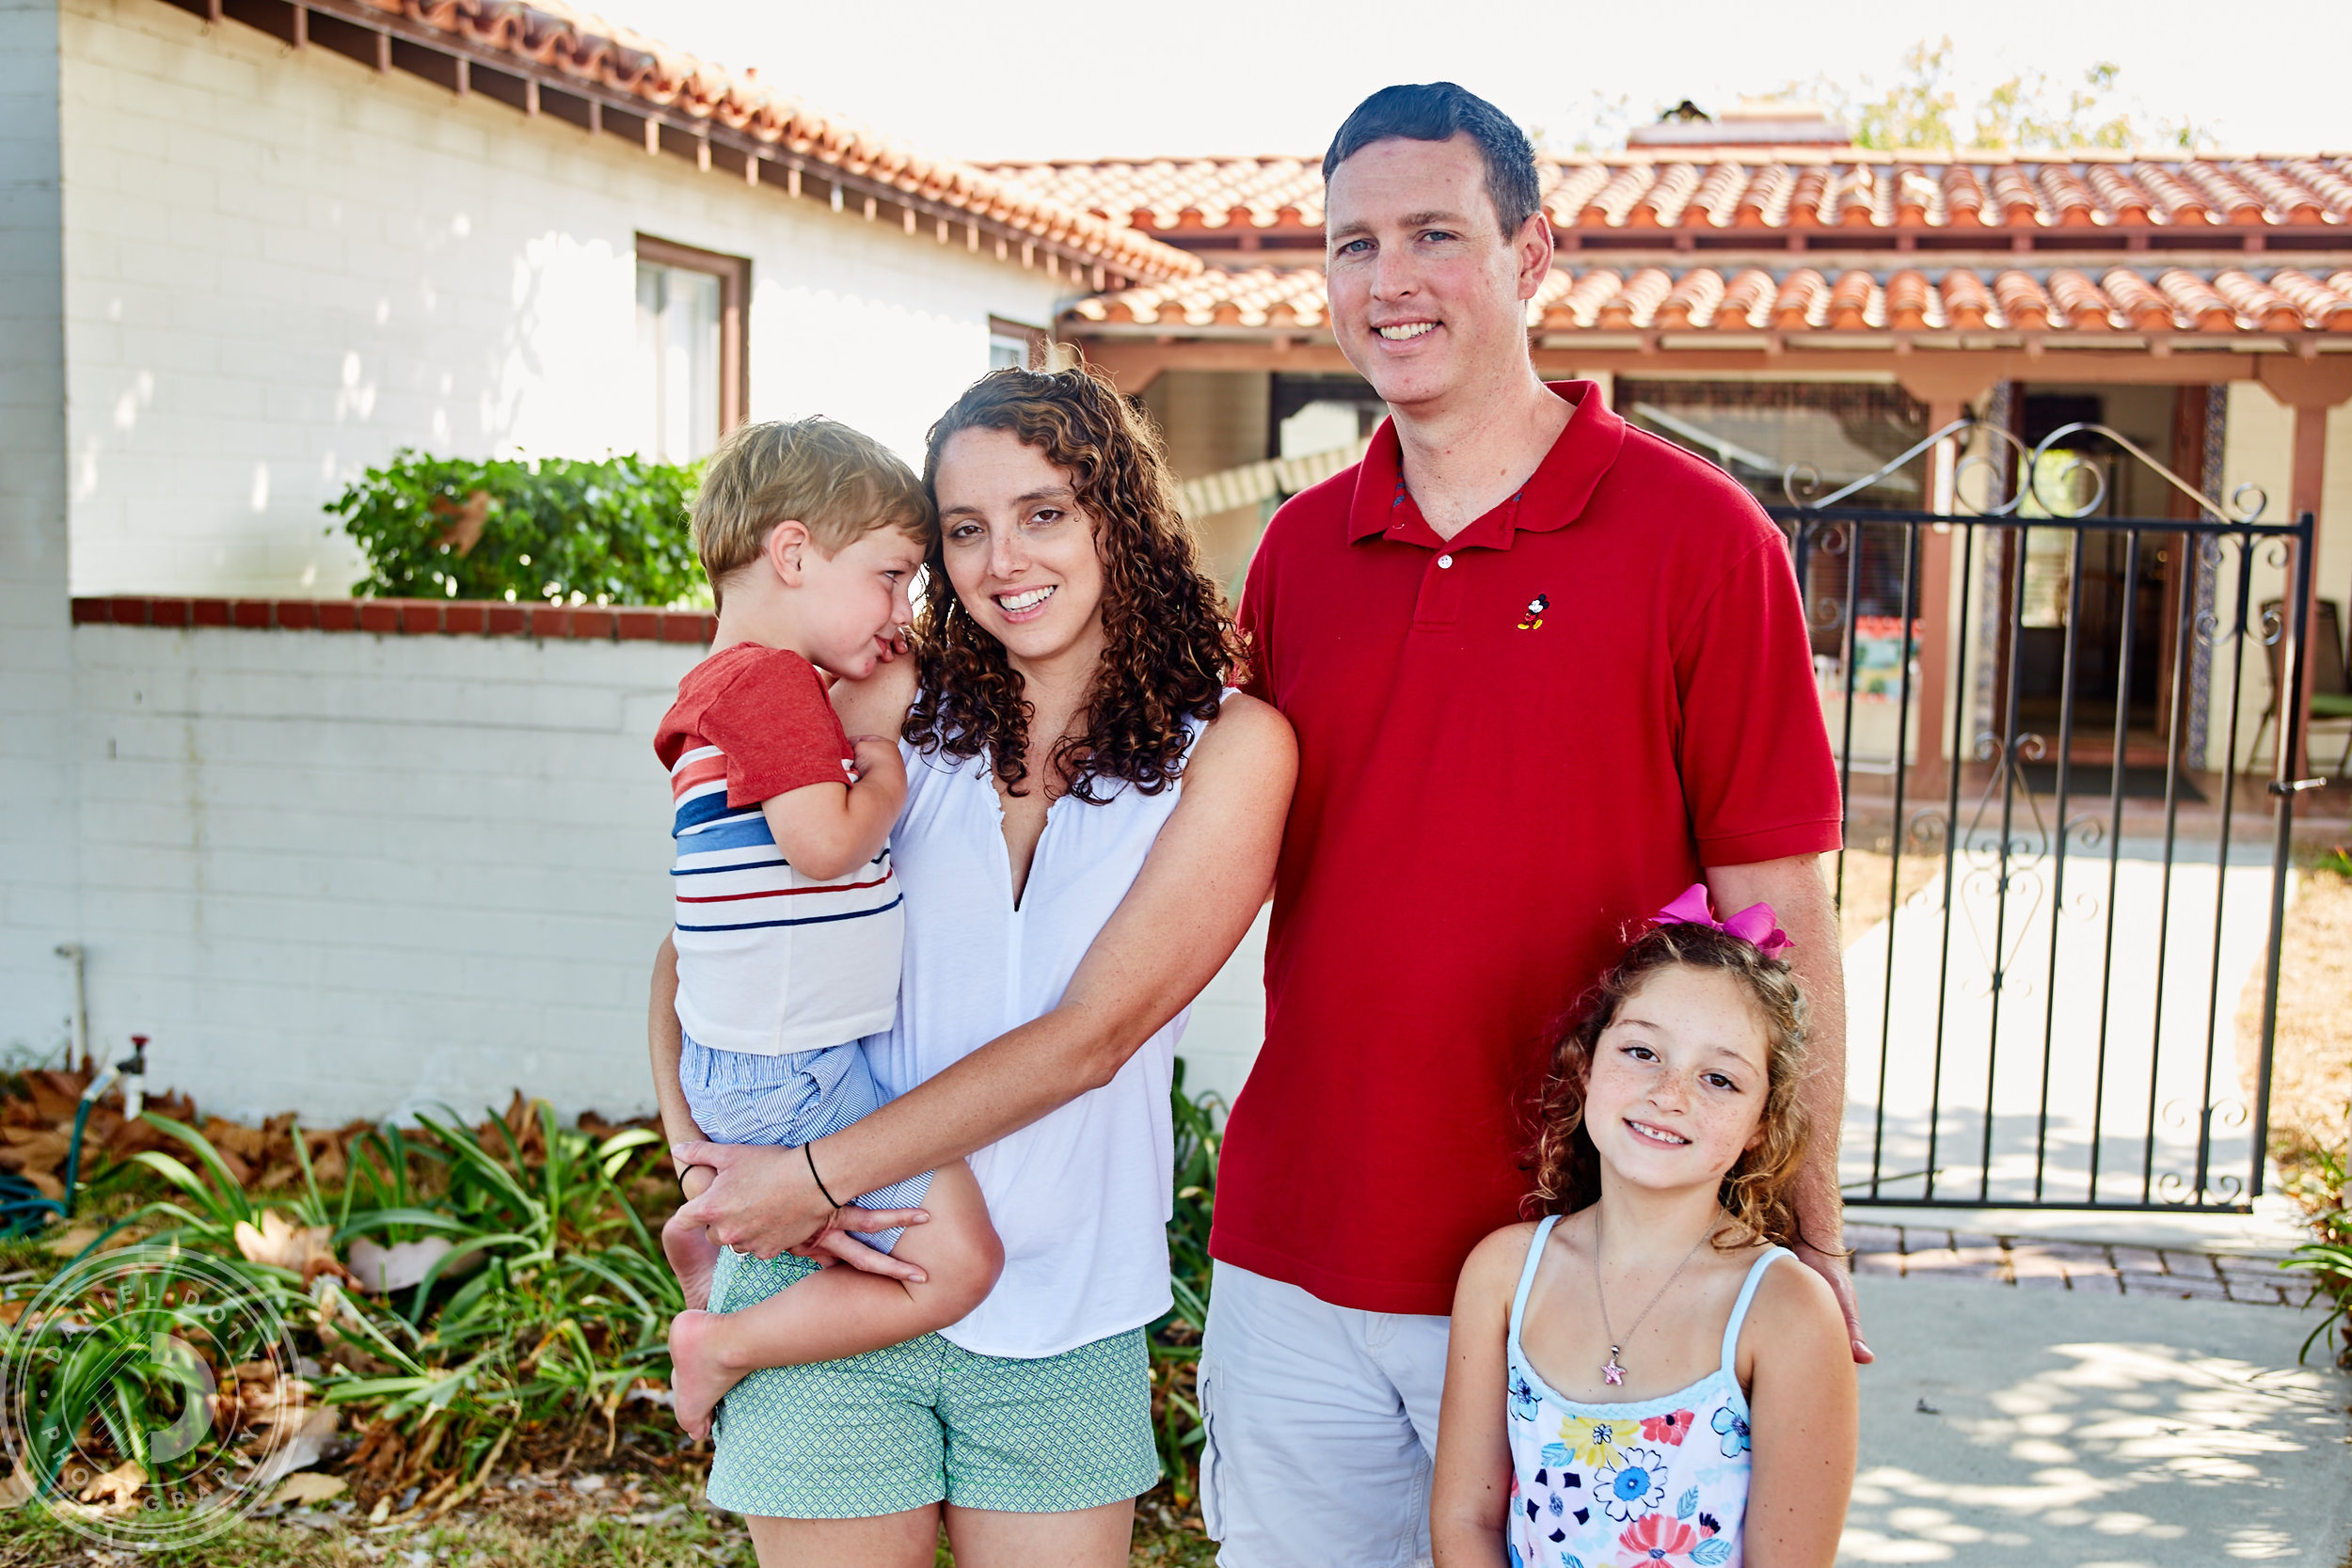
133	1073
24	1209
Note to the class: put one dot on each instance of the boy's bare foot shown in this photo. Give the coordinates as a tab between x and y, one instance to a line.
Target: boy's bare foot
693	1258
698	1379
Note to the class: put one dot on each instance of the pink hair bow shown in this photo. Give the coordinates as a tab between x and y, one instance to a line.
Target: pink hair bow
1755	924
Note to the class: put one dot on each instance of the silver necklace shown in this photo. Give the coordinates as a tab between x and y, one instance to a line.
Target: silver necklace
1610	1370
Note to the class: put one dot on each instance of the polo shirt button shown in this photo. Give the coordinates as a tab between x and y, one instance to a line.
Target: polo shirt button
1445	560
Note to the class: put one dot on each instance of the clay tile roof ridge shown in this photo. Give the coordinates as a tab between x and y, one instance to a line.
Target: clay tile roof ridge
2066	300
591	48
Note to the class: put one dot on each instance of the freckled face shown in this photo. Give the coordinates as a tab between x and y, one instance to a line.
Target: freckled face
1019	549
1678	1080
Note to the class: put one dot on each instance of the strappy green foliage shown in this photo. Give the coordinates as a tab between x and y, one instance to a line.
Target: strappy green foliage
1176	1338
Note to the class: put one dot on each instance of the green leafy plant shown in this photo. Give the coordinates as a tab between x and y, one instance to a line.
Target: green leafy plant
124	1357
553	530
1175	1339
551	1303
2327	1259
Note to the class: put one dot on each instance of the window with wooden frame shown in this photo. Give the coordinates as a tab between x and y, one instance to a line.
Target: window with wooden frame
692	375
1010	342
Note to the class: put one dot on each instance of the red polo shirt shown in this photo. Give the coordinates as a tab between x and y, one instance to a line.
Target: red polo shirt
1513	745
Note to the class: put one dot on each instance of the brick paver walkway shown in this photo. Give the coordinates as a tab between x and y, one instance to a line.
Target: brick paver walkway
2034	1263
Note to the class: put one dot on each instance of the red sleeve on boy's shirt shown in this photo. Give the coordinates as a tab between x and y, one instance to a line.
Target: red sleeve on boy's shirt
777	727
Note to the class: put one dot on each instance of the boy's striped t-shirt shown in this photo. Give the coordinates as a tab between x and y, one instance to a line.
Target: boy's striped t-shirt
770	960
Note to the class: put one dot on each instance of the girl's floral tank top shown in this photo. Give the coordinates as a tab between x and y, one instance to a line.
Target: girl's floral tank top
1661	1482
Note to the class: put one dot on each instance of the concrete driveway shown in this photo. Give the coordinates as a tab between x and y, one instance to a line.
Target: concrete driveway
2007	1425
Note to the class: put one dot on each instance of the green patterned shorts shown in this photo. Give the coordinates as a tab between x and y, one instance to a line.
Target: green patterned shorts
908	1426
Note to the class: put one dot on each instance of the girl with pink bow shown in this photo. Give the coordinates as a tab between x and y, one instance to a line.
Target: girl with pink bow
1666	1395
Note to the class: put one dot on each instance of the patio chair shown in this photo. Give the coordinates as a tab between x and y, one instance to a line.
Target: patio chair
2331	689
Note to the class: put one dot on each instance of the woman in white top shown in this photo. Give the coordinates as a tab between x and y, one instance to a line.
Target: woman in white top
1092	822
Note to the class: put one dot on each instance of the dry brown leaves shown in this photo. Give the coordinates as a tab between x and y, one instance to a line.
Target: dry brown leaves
2310	1075
37	1131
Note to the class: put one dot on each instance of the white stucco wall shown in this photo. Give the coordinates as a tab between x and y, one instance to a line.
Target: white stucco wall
282	266
2259	450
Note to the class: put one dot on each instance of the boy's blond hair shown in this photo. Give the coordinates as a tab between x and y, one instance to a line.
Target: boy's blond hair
838	481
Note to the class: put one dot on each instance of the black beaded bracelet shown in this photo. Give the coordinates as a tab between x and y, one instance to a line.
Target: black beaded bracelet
809	1148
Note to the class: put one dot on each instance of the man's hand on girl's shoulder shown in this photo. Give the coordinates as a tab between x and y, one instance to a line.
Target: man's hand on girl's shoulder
1834	1273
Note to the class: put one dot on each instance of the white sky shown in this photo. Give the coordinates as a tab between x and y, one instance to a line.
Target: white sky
1014	78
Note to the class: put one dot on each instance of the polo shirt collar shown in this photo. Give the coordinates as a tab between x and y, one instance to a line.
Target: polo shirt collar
1552	498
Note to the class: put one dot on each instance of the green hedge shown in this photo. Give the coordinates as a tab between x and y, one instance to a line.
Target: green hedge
556	529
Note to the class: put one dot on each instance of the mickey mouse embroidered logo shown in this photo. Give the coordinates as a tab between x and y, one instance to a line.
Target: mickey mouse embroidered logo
1534	616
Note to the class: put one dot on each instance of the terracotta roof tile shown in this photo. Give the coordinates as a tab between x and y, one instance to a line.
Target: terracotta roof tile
1759	187
1802	301
2138	304
1967	303
1919	200
2065	300
1745	299
592	51
2256	302
1908	300
1765	203
1717	199
2231	199
1662	205
2194	300
2122	196
2326	306
1692	299
1570	190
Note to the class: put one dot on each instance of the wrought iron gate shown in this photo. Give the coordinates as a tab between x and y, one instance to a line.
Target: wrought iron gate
2046	1014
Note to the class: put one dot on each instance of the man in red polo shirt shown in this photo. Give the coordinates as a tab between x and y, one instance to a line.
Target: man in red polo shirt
1546	671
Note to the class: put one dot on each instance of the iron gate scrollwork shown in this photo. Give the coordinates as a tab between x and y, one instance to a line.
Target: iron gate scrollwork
2056	980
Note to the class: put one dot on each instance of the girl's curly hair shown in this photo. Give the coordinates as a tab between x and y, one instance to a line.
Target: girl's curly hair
1171	647
1756	1190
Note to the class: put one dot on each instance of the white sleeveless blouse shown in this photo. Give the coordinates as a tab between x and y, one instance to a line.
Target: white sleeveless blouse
1081	1197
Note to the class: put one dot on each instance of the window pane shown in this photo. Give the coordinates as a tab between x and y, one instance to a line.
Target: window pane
677	334
649	292
1005	352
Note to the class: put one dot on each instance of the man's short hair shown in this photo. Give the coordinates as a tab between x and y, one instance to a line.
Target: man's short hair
1440	111
838	481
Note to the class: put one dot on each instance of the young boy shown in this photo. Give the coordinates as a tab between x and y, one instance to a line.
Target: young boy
788	923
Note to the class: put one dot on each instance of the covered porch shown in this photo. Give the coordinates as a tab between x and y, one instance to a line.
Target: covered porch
1800	383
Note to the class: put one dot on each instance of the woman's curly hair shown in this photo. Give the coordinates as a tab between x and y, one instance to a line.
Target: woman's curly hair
1756	1190
1171	647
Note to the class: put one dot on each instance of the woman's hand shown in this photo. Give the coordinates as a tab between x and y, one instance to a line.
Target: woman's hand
762	1201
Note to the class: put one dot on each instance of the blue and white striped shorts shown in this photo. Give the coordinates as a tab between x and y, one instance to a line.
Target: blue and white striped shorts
739	1098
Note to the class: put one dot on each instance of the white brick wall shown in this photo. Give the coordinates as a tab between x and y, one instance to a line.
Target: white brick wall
353	874
37	871
280	266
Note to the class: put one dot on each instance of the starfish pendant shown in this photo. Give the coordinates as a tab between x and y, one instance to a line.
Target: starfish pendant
1610	1370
